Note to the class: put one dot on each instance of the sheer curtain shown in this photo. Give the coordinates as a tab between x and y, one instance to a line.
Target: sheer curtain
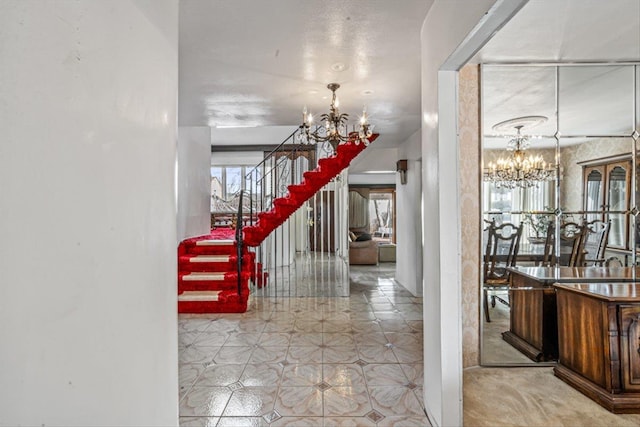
499	203
358	210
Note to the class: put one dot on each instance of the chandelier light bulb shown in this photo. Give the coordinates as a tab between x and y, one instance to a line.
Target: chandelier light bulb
333	129
519	170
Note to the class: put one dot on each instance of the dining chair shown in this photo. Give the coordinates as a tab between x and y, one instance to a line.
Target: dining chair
573	238
501	252
596	243
548	258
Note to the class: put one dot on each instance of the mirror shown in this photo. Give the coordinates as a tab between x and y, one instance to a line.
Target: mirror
559	151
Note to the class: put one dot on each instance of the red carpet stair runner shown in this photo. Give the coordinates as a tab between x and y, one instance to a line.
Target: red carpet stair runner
313	181
208	274
207	265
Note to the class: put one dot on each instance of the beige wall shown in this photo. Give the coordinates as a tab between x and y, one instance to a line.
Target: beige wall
469	140
571	184
548	154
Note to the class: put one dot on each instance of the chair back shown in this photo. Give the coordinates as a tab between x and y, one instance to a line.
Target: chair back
573	238
501	250
596	242
548	257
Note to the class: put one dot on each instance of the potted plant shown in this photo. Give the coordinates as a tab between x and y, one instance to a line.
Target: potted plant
538	226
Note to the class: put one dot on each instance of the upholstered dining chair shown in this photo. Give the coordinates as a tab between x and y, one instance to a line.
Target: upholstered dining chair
501	251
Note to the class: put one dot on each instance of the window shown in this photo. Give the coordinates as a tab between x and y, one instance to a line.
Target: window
226	182
381	214
507	205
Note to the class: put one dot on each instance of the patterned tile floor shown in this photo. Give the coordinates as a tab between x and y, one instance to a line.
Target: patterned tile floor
308	361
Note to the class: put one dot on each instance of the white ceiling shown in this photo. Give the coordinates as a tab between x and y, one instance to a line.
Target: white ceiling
257	63
568	30
595	101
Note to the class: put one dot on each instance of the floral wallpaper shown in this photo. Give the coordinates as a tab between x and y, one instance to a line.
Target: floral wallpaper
469	169
571	183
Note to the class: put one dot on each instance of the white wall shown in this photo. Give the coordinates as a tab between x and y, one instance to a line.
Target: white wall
446	25
194	181
236	158
408	220
374	159
372	178
88	323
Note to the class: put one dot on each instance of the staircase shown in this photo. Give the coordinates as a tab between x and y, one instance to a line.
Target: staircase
214	270
208	277
313	181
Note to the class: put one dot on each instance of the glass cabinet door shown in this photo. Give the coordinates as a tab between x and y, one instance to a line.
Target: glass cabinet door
618	176
594	192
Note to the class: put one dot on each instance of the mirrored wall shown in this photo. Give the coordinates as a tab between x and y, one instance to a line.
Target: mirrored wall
559	147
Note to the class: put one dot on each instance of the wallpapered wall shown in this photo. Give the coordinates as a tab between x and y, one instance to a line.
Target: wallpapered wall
548	154
469	169
571	184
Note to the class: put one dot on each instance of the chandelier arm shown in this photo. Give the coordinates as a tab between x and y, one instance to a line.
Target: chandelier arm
335	126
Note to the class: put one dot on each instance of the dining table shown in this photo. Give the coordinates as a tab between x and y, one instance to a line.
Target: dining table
532	253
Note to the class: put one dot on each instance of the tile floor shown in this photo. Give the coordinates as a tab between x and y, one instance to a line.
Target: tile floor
308	361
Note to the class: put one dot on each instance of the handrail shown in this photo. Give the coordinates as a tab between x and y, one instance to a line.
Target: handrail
553	212
268	156
278	163
239	223
253	180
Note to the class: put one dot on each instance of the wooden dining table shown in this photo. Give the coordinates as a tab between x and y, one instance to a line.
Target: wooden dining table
533	324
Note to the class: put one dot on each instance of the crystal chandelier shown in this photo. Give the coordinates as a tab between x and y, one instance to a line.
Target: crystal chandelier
334	126
519	170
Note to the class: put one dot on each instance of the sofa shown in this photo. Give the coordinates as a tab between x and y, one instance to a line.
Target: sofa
363	252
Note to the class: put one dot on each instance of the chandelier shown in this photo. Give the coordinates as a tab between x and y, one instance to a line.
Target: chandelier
334	128
519	170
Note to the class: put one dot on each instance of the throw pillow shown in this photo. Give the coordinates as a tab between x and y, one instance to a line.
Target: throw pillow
363	237
352	236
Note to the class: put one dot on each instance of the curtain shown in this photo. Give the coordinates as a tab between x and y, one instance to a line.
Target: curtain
358	210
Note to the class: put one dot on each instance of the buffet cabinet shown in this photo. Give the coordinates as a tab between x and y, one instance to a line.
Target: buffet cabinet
599	342
533	328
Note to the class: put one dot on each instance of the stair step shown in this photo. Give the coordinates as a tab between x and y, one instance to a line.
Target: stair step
203	276
198	296
210	258
215	242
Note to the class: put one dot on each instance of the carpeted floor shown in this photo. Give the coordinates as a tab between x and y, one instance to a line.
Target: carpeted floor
531	397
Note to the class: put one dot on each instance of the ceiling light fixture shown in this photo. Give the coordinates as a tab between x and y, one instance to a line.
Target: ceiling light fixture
518	169
334	126
338	66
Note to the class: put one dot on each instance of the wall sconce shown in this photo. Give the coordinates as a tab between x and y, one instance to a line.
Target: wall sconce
401	166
